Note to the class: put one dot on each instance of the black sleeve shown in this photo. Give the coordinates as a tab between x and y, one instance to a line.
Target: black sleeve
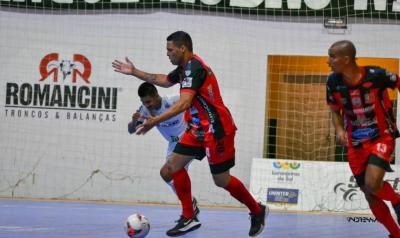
330	87
173	76
194	76
388	79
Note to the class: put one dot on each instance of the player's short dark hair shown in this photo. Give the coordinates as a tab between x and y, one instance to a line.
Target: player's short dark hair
348	47
147	89
180	38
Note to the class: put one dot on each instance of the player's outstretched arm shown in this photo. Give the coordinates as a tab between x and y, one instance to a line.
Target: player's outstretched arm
129	68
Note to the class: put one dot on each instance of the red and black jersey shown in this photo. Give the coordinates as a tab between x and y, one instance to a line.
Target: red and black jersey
207	117
365	104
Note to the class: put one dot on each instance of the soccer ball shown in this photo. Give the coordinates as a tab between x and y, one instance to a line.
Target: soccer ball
137	226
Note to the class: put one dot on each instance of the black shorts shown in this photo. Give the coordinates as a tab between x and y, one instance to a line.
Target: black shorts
375	160
220	153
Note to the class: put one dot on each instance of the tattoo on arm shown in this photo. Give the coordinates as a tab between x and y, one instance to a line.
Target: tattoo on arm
151	78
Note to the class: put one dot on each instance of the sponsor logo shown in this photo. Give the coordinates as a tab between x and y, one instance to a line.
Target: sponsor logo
349	191
210	92
63	91
286	165
364	133
51	65
364	110
168	123
354	93
392	76
367	85
356	101
187	82
363	122
204	104
294	5
285	171
382	148
282	195
361	219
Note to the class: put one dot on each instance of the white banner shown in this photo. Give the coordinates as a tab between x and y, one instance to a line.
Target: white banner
310	186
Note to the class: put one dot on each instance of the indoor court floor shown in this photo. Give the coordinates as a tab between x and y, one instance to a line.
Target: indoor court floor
60	219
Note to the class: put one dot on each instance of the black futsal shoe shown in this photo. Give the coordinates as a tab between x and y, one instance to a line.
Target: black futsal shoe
184	226
258	221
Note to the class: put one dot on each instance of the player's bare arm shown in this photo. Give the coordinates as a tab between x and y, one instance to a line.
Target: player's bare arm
129	68
184	103
337	121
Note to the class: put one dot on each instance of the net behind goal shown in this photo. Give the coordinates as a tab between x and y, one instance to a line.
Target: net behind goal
65	111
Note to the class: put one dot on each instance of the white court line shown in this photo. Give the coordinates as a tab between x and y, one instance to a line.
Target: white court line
24	229
54	207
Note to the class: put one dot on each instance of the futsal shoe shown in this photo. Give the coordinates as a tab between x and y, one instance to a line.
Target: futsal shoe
397	210
184	226
258	221
195	207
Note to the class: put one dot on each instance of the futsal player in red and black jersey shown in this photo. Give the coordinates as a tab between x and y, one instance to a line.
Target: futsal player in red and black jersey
210	131
362	116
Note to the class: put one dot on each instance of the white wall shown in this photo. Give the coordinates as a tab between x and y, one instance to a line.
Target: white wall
51	158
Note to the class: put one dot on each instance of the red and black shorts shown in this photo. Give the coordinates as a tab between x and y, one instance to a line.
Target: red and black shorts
220	153
378	152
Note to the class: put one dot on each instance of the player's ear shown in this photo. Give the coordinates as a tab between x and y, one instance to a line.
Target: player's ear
182	48
347	59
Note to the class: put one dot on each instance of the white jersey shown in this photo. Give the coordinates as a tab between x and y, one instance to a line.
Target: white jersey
172	128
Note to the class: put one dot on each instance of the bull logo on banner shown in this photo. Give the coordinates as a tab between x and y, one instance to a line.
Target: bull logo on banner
78	66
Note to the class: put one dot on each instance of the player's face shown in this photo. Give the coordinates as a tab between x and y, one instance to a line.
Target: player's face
336	60
150	102
174	53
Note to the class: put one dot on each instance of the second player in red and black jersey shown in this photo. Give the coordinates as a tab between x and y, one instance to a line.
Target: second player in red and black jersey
208	117
365	104
363	119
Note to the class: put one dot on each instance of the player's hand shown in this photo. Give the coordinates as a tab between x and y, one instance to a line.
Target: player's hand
136	116
124	68
146	126
341	137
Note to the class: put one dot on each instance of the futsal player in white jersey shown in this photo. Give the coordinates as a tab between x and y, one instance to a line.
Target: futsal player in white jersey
153	105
